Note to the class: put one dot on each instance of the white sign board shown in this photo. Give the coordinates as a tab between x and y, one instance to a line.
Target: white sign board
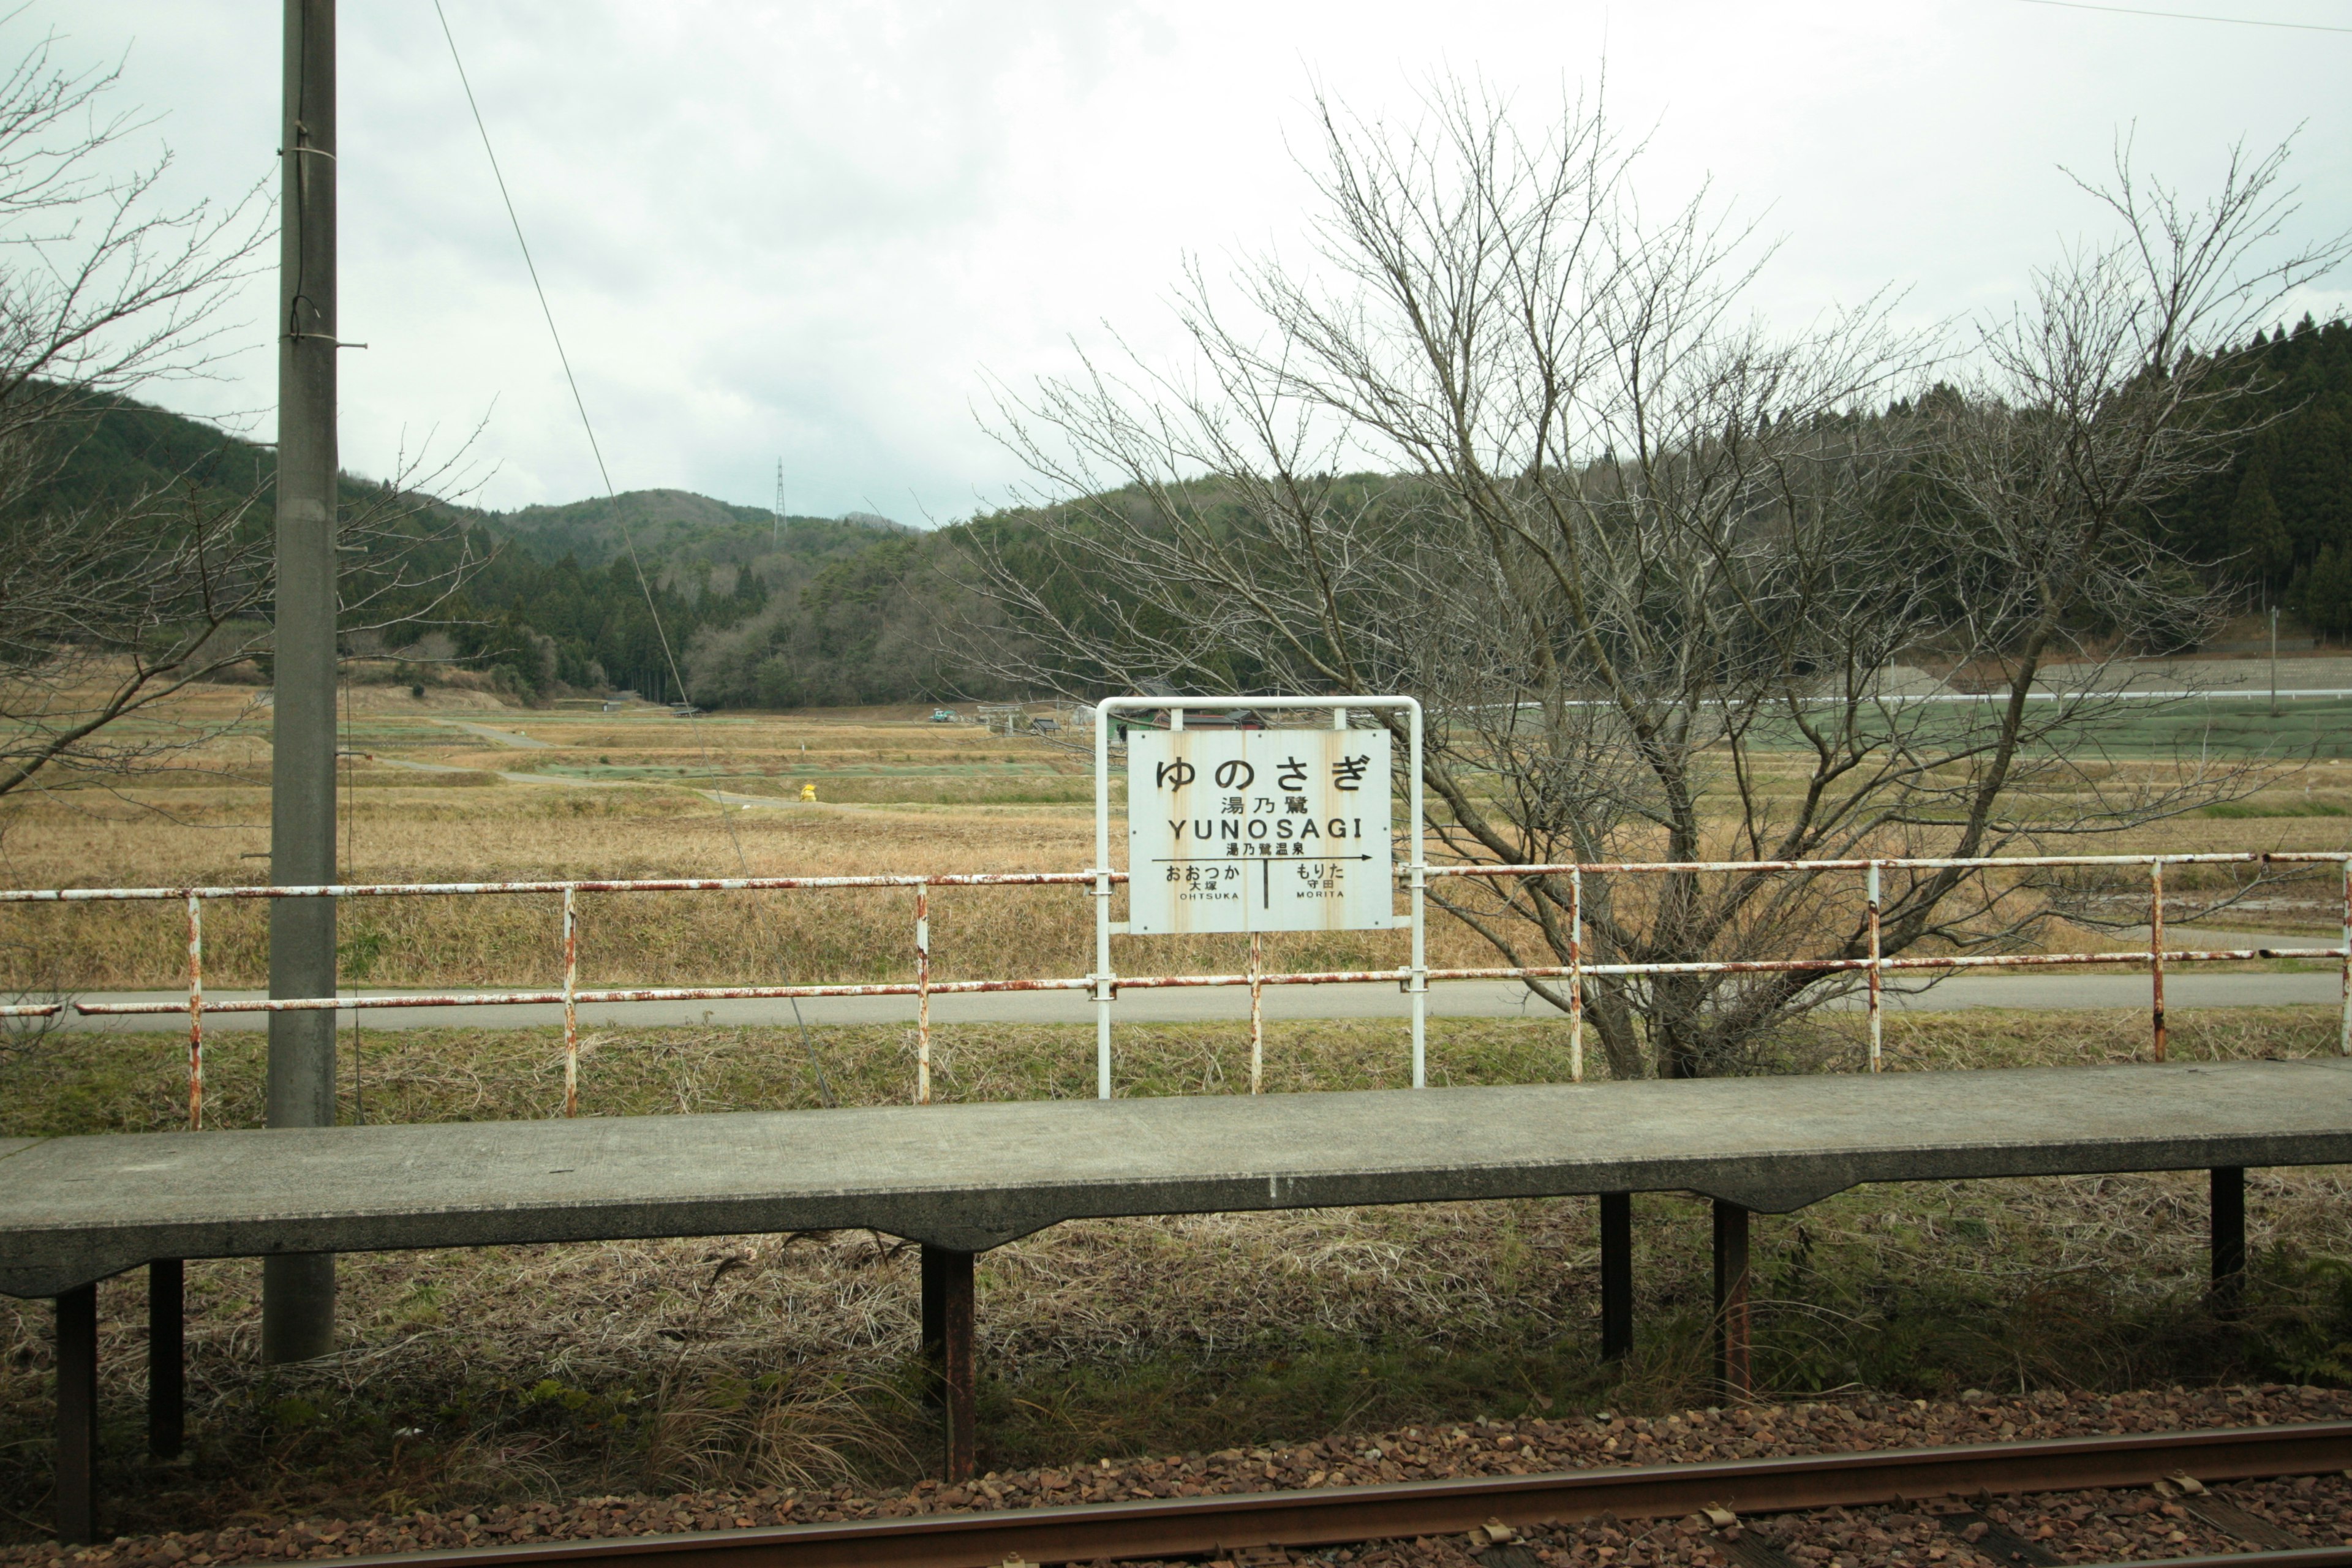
1233	830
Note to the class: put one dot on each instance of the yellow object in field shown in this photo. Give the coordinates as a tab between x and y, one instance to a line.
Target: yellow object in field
808	792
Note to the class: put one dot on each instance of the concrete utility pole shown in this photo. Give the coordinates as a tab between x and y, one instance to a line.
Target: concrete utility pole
298	1300
2274	661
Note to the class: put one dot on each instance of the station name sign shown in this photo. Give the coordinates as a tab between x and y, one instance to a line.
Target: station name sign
1252	830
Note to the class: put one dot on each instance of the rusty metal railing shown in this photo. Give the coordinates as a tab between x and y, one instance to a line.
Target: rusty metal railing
569	995
1873	966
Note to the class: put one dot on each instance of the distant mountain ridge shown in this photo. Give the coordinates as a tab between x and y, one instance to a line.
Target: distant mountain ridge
551	601
680	529
132	447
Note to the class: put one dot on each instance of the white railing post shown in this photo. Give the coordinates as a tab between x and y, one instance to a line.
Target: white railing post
2343	1009
1257	1026
2155	953
196	1014
570	1005
922	993
1420	927
1877	974
1575	974
1257	1013
1101	976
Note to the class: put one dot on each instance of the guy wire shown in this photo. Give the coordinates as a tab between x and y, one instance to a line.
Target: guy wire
611	495
718	794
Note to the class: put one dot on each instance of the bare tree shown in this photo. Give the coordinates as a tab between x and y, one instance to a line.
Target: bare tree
105	287
112	606
1663	577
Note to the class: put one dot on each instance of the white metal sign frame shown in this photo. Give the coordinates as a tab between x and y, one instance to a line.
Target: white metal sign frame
1414	977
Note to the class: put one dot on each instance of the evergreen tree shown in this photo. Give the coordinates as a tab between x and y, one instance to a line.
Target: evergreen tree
2310	478
2256	541
2324	594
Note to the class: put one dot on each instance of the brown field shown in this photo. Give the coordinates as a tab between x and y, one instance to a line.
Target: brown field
430	797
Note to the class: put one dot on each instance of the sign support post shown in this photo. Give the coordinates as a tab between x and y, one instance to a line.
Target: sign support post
1220	851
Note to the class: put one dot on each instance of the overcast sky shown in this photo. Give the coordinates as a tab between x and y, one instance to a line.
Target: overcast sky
815	232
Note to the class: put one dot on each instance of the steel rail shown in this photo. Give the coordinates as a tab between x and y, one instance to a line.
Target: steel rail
1336	1515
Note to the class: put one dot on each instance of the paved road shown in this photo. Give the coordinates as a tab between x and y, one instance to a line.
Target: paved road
721	797
1459	999
2184	988
498	737
417	767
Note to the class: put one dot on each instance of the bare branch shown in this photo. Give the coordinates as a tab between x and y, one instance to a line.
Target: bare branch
1671	585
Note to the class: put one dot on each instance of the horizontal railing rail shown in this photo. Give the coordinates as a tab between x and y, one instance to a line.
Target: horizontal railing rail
641	885
1873	966
1908	863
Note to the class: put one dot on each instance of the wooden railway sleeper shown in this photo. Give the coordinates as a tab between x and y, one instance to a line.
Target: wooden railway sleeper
1740	1544
1989	1538
1997	1541
2229	1518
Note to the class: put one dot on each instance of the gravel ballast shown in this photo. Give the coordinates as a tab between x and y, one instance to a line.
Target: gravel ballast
2086	1527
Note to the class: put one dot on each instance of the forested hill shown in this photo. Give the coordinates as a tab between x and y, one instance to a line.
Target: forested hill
681	529
823	611
2279	516
554	601
559	602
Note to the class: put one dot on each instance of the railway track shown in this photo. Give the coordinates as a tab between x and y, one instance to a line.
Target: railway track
1727	1494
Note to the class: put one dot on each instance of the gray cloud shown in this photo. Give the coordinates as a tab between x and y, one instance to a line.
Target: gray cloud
814	231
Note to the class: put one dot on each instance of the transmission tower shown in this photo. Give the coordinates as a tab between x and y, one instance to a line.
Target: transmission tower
776	512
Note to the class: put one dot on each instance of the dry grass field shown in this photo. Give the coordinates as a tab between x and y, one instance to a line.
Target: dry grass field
619	797
788	1360
454	788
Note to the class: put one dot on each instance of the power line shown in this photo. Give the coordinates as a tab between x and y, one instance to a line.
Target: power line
628	541
2191	16
718	794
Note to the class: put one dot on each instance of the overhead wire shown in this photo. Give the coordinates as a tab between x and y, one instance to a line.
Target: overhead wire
628	541
718	794
2191	16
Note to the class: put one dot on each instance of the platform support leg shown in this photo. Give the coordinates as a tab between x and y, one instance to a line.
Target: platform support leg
2229	1239
947	1325
1731	1321
76	1462
1616	1276
935	1344
167	1352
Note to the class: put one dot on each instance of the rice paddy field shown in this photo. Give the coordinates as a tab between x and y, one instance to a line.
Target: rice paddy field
503	1375
454	787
